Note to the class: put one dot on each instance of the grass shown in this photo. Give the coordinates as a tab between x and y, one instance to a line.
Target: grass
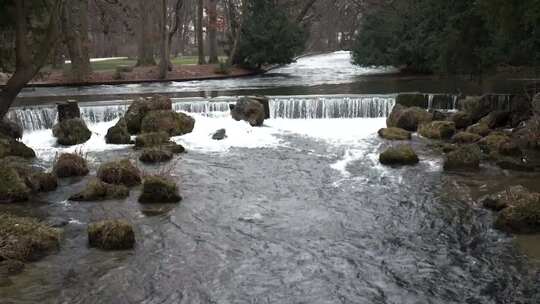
110	65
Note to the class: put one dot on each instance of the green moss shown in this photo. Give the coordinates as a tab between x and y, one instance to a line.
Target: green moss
151	139
155	155
462	120
399	155
466	138
111	235
26	239
173	123
438	130
97	190
118	134
464	157
158	189
71	132
522	217
69	165
121	172
12	186
141	107
394	134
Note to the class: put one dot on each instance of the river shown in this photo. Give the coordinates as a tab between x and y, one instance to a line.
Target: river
298	211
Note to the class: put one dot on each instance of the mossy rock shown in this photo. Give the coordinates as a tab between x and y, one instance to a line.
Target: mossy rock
151	139
461	119
42	182
10	129
121	172
408	118
11	268
97	190
463	158
175	148
118	134
11	147
142	106
71	132
111	235
500	143
394	134
155	155
438	130
399	155
496	119
523	216
413	100
157	189
480	129
175	124
70	165
506	198
26	239
12	187
466	138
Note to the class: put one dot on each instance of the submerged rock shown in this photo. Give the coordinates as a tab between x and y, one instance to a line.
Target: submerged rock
219	134
12	187
438	130
118	134
140	107
399	155
111	235
174	124
97	190
26	239
394	134
71	132
151	139
408	118
121	172
70	165
464	157
157	189
466	138
155	155
250	110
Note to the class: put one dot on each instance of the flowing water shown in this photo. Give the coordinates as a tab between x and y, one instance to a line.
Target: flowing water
297	211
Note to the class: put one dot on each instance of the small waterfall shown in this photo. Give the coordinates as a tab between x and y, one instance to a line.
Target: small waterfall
288	107
331	107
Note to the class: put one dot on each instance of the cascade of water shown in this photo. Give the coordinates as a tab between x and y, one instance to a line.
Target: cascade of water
289	107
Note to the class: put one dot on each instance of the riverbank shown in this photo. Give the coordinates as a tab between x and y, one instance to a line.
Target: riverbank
135	75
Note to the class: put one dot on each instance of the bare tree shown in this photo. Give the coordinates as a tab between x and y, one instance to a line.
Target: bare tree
164	49
212	31
75	30
200	36
28	63
146	45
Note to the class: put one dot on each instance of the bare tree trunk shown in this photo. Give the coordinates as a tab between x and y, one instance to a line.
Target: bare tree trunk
178	23
212	31
200	38
234	49
27	66
75	29
164	49
146	43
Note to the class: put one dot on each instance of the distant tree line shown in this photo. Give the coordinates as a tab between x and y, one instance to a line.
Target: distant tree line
450	37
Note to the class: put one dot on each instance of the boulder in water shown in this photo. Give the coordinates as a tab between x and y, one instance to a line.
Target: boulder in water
515	164
68	110
461	119
505	198
394	134
12	147
250	110
121	172
155	155
10	129
175	148
408	118
497	142
477	107
522	215
70	165
466	138
140	107
157	189
413	100
174	124
97	190
118	134
438	129
521	109
496	119
528	136
26	239
479	128
71	132
111	235
219	134
399	155
12	187
463	158
151	139
42	181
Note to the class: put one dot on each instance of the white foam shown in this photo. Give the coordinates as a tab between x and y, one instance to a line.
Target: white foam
44	143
